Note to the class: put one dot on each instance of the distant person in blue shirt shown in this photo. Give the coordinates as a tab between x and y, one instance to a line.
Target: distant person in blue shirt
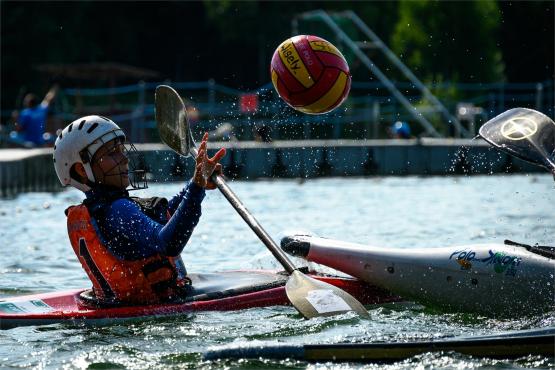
31	121
400	130
130	247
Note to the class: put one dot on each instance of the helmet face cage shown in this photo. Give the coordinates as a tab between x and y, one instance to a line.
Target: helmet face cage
137	166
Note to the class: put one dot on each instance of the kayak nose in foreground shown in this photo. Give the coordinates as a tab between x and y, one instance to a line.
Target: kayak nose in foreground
491	279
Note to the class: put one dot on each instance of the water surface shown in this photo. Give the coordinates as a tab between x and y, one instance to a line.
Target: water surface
406	212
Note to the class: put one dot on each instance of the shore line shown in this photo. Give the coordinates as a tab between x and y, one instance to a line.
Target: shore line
28	170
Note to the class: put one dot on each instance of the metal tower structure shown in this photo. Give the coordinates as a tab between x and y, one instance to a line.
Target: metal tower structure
374	42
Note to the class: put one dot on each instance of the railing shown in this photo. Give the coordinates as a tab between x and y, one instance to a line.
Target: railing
367	114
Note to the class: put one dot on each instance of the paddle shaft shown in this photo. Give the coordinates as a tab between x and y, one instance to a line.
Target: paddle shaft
250	220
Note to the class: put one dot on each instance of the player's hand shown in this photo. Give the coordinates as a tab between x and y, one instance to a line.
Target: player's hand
205	166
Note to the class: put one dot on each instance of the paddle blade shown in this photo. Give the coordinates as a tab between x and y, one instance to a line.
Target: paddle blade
171	119
523	133
314	298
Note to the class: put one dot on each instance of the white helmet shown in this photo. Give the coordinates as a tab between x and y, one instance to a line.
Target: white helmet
78	143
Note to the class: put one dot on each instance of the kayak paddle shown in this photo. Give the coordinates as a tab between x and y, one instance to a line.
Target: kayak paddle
312	298
524	133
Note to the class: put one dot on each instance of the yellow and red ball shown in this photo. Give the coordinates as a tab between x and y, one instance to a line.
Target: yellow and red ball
310	74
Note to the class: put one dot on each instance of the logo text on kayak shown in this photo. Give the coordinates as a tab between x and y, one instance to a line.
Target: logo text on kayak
502	263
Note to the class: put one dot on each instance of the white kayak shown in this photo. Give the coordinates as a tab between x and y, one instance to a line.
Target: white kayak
491	279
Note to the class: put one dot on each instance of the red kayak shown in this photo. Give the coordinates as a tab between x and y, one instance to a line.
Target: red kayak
224	291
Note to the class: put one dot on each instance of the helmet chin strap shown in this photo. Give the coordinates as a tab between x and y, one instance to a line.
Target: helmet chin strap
89	172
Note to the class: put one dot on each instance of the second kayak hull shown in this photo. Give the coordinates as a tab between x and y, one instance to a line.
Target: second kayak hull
491	279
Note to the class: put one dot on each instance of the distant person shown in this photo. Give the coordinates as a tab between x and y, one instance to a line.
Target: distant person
193	114
223	132
400	130
31	121
262	133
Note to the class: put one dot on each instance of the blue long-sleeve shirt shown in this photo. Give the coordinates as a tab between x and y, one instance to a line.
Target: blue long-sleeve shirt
130	234
32	122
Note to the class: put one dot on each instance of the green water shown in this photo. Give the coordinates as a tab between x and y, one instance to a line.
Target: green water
35	257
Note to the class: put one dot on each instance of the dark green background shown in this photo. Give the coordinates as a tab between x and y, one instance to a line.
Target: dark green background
232	42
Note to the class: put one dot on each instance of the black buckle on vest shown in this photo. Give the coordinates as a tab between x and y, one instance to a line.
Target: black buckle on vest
161	288
156	265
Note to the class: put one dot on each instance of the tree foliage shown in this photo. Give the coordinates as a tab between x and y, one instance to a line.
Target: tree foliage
233	41
453	41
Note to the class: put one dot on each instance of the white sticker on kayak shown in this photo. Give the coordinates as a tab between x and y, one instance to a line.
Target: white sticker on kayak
34	306
325	300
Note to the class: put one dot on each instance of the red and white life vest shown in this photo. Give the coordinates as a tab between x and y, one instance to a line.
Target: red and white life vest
149	280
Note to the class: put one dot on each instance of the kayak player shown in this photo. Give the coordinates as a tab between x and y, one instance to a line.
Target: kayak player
130	247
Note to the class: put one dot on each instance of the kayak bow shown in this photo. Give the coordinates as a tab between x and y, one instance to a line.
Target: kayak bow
491	279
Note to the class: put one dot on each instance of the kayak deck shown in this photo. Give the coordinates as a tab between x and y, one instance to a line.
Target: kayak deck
231	290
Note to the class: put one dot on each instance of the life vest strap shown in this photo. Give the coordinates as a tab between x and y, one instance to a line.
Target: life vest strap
84	253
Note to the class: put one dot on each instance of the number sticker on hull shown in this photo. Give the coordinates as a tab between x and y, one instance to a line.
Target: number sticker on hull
25	307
